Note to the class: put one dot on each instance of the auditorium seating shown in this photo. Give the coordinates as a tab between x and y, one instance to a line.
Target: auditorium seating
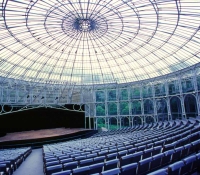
160	147
11	159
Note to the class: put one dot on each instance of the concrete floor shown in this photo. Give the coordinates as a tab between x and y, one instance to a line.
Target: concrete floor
33	165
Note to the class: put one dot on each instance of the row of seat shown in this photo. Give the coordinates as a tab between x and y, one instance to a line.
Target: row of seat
11	159
106	146
186	166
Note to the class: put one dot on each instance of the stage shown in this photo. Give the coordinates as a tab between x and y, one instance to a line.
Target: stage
43	136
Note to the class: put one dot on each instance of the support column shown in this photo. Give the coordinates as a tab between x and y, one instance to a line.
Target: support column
196	91
154	104
142	101
168	101
181	98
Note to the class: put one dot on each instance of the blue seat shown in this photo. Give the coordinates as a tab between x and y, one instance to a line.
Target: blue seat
147	153
121	148
177	154
195	146
80	158
86	162
168	147
47	164
81	171
9	165
144	166
129	169
196	164
68	172
159	172
122	153
156	150
188	161
103	153
96	168
159	143
92	155
149	145
114	150
70	165
111	156
125	160
167	157
137	156
115	171
63	157
111	164
50	159
99	159
156	161
63	161
132	150
141	148
3	168
53	169
186	150
174	169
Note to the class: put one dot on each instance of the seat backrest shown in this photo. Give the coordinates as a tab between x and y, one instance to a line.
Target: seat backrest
101	153
52	163
114	171
188	161
81	171
122	153
111	164
137	156
132	150
96	168
85	162
174	168
66	160
125	160
91	155
70	165
53	169
111	156
68	172
50	159
99	159
144	165
80	158
129	169
156	161
159	172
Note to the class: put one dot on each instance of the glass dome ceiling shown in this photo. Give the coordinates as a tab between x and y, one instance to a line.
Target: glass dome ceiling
97	41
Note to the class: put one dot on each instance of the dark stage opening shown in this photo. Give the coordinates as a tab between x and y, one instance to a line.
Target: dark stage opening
42	118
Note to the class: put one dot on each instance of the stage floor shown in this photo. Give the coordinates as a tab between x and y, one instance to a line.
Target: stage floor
39	134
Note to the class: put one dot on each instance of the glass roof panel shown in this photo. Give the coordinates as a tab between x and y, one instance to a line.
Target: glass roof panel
97	41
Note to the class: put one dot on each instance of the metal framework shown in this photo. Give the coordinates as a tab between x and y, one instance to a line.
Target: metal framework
125	61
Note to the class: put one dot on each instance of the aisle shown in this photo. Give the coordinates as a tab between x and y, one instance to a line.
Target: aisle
33	165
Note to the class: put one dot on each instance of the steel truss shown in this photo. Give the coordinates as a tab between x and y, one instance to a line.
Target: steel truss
17	95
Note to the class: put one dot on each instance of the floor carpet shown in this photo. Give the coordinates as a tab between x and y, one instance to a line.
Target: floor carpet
33	165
